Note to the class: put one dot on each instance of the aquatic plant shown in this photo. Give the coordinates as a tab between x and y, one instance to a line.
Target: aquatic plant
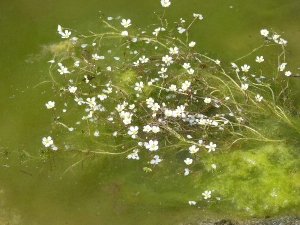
150	96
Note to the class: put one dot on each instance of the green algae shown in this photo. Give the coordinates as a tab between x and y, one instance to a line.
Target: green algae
258	181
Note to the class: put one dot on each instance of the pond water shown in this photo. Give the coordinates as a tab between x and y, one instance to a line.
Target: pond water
110	190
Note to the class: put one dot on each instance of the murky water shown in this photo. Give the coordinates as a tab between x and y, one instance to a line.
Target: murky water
104	190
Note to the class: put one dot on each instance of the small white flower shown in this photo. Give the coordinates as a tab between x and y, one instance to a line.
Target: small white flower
63	70
181	30
173	51
192	44
186	65
156	31
173	87
126	23
185	85
165	3
190	71
218	62
259	59
155	107
244	87
102	96
207	100
288	73
143	59
108	68
167	59
188	161
76	63
186	171
213	166
155	129
124	33
47	141
133	131
206	194
264	32
72	89
147	128
155	160
192	202
211	147
139	86
245	68
96	133
193	149
152	145
149	102
133	155
50	104
258	98
282	66
198	16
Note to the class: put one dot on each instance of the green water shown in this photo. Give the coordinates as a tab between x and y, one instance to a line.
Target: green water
102	190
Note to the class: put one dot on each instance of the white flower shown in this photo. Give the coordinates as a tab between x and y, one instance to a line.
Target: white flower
259	59
149	102
156	31
258	98
96	133
65	34
162	70
264	32
147	128
192	202
288	73
217	62
244	87
139	86
198	16
155	107
185	85
173	50
186	171
76	63
282	66
167	59
102	96
168	112
151	145
188	161
143	59
155	129
125	23
186	65
165	3
108	68
211	147
180	30
133	155
133	130
124	33
193	149
50	104
245	68
63	70
47	141
190	71
233	65
173	87
213	166
192	44
206	194
72	89
207	100
155	160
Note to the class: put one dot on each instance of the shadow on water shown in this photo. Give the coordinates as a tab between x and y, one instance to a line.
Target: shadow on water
35	189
